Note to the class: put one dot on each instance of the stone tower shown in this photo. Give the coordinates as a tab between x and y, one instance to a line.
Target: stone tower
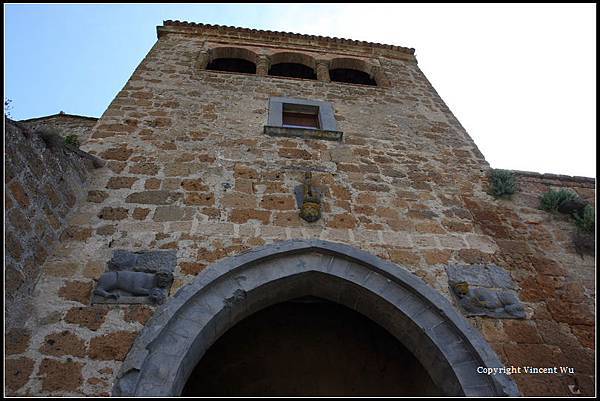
325	177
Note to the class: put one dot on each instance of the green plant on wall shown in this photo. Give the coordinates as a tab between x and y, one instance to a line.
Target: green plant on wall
586	221
503	183
72	140
583	214
551	200
585	237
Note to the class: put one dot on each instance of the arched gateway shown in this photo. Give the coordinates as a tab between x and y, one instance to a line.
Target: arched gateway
181	331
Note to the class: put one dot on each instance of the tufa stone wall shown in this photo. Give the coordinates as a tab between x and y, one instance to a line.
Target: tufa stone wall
43	183
189	169
66	124
557	283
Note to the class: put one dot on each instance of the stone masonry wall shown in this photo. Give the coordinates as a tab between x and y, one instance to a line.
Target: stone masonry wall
557	284
189	168
42	185
66	124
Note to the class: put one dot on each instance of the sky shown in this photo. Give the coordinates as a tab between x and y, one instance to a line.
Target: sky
521	79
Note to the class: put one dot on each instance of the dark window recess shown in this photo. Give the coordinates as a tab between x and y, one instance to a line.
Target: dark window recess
293	70
290	117
350	76
297	115
232	65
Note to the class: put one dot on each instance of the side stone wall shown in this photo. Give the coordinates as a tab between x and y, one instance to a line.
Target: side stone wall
189	169
42	186
66	124
557	284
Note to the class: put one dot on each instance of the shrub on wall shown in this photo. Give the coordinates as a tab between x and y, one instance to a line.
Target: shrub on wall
585	237
503	183
72	140
584	215
551	200
586	221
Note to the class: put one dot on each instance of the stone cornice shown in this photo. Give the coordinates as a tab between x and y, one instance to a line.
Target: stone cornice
59	115
546	177
288	38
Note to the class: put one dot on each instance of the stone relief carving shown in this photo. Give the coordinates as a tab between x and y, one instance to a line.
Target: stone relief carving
485	290
309	199
136	277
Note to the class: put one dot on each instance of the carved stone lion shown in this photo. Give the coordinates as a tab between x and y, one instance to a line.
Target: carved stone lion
480	301
134	284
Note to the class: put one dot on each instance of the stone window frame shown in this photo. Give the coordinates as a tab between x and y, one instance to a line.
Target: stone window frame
263	61
294	58
374	71
328	126
205	57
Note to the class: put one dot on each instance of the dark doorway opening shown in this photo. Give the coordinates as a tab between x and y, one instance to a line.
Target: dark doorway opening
232	65
293	70
308	347
351	76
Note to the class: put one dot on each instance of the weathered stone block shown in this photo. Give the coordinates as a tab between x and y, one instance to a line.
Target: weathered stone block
97	196
194	185
120	182
144	168
522	332
192	268
140	213
121	153
63	343
60	376
111	347
12	245
154	197
79	291
238	200
19	194
73	233
241	216
106	230
342	220
90	317
404	257
17	373
113	213
172	213
152	183
202	199
16	341
138	313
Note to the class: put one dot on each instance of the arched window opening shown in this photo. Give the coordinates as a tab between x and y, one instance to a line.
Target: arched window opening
232	65
351	76
292	70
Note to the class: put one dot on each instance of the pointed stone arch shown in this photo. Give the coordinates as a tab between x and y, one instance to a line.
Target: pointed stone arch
180	332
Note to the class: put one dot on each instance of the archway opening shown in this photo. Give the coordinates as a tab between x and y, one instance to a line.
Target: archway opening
292	70
232	65
308	347
177	338
351	76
